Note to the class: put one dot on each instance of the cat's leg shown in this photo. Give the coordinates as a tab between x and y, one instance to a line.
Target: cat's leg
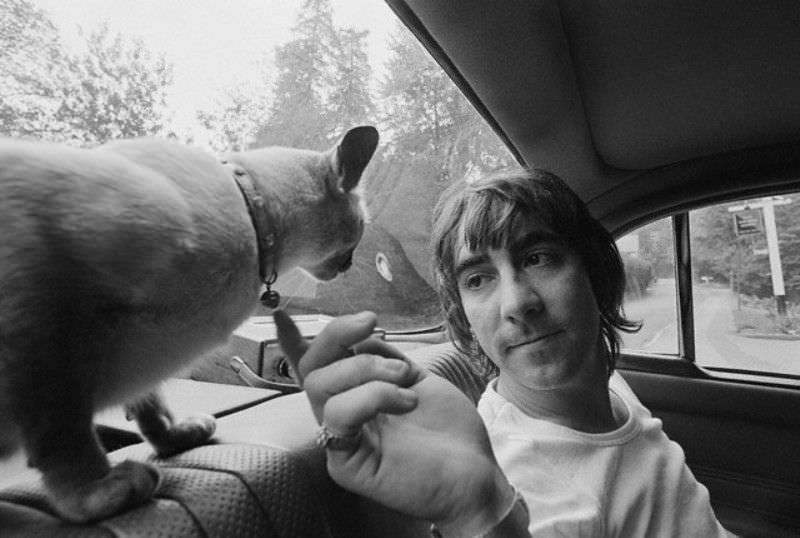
54	344
165	434
54	411
80	483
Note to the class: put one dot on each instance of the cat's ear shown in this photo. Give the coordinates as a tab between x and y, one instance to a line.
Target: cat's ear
352	154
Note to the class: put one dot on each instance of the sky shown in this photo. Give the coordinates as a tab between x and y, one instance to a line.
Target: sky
214	43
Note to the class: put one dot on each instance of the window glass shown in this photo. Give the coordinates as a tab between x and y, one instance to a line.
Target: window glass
282	72
650	298
746	265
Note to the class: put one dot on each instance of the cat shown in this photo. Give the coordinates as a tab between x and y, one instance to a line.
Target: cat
122	263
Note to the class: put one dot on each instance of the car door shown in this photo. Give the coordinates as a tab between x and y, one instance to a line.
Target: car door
718	356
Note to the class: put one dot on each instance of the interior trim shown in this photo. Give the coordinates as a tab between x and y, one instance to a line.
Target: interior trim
705	396
683	280
649	195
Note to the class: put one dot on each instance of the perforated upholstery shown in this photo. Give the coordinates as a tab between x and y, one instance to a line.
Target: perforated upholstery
264	478
214	490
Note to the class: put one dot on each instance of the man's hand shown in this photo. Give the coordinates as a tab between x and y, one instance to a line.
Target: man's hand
420	447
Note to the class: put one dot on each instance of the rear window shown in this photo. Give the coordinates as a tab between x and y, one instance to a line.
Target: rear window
231	76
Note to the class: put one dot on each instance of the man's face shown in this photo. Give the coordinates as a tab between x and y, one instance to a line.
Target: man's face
532	307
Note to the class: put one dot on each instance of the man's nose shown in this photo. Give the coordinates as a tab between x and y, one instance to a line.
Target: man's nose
519	298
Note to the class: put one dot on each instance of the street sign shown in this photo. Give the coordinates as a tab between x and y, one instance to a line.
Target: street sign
746	225
747	222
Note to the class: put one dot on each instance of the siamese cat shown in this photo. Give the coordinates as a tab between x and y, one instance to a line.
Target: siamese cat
120	264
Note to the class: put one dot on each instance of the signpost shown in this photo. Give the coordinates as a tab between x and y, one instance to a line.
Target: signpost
746	221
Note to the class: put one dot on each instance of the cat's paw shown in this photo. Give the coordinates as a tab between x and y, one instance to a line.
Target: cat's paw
188	433
126	486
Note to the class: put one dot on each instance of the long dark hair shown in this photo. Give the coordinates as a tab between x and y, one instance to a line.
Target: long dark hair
483	214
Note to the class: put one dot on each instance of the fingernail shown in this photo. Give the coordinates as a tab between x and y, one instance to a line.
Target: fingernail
408	396
365	316
396	365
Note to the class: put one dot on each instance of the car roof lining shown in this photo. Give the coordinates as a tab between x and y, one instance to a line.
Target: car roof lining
579	102
634	58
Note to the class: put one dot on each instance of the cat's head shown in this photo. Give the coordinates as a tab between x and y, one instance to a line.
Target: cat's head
316	199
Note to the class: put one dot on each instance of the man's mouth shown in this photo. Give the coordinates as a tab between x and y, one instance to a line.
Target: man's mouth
533	340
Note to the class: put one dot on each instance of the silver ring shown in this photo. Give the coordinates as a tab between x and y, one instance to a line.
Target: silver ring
330	441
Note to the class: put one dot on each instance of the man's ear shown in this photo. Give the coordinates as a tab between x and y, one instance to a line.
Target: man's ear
352	154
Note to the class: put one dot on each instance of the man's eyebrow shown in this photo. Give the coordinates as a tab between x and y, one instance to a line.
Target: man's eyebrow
469	261
536	237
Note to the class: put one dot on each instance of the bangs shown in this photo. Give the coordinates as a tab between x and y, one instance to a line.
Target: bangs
490	219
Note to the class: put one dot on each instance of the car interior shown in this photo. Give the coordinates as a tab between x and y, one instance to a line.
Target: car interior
648	110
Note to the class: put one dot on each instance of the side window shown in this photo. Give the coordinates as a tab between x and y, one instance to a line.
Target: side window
745	287
648	254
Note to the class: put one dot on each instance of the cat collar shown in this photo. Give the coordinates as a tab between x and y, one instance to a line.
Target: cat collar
265	239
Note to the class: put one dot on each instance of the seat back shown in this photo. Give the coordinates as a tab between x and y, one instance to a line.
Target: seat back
263	476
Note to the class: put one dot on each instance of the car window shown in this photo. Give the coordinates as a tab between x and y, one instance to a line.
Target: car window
650	288
745	286
294	73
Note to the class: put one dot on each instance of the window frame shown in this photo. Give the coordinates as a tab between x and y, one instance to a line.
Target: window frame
684	362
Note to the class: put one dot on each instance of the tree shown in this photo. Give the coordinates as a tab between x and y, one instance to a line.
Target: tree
121	91
430	119
414	99
639	275
32	70
656	247
322	83
714	243
113	88
349	102
297	116
787	218
237	115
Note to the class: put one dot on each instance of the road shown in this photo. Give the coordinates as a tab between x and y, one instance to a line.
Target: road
716	342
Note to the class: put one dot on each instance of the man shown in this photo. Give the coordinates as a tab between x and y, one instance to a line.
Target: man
532	286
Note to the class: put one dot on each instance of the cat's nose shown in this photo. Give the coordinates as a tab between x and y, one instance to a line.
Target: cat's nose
348	262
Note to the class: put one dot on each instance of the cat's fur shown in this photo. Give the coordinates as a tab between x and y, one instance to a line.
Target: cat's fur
120	264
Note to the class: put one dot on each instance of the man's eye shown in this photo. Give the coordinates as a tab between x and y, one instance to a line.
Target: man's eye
538	258
473	282
535	258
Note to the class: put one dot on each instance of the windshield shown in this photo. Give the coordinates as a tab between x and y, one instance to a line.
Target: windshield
232	76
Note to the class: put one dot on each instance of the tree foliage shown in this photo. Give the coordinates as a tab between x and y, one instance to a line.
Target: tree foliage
114	87
236	117
304	72
714	243
350	100
787	218
121	89
32	71
429	119
741	262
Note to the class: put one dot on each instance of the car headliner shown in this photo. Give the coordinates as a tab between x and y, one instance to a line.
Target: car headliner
644	107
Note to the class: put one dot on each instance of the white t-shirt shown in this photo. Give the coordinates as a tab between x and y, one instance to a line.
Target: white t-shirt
630	482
